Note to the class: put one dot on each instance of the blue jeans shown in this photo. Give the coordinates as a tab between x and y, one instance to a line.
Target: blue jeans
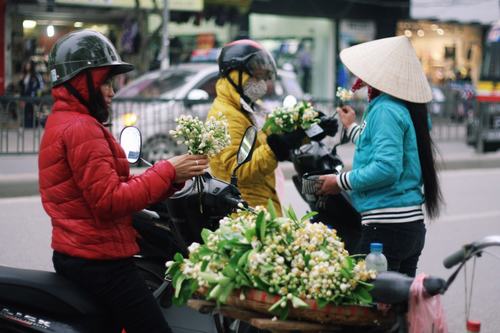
403	243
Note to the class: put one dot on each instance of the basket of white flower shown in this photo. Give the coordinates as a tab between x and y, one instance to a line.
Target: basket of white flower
276	265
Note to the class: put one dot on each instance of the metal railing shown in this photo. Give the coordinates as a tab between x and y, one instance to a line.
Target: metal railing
22	119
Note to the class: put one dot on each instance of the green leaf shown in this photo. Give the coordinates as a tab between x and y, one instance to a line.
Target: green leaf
204	251
226	292
172	270
349	263
345	273
242	261
308	216
249	233
178	258
277	304
307	257
260	226
224	281
367	285
229	271
322	302
260	283
215	292
178	285
204	235
245	280
298	303
204	266
266	125
187	290
291	214
284	312
271	209
363	295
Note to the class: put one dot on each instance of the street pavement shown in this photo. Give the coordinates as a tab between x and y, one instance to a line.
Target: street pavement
19	173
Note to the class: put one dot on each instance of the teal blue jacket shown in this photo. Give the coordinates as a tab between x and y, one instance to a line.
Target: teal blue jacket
385	183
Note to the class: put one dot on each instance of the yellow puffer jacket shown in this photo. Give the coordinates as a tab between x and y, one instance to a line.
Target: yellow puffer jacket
256	179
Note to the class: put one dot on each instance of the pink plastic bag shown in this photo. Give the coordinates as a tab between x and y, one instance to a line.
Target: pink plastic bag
425	313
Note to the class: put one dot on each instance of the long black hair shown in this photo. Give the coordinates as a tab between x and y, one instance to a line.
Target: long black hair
426	152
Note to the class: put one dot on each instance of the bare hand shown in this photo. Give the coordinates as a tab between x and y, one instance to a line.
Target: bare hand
329	185
187	166
347	115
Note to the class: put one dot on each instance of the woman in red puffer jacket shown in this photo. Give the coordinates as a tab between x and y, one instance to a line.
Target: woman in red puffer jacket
86	187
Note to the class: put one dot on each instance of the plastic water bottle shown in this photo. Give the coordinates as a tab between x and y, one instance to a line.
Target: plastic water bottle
375	260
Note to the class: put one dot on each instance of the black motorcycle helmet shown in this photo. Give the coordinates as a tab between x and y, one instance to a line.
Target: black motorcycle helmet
247	56
79	52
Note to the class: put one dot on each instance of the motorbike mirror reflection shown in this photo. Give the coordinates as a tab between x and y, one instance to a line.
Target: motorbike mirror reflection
245	150
289	101
130	140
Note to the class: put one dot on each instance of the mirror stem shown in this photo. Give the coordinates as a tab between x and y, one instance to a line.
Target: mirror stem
146	162
234	180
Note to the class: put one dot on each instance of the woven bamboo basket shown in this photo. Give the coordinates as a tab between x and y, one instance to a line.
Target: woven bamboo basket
348	315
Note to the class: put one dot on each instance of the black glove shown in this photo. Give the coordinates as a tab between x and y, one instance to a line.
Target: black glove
329	125
281	144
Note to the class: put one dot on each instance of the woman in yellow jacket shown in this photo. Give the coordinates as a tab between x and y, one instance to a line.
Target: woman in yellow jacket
244	67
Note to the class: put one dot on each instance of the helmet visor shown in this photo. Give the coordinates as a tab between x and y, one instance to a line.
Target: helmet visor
261	65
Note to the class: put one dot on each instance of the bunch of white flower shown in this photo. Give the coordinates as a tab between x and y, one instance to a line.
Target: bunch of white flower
287	119
285	256
207	138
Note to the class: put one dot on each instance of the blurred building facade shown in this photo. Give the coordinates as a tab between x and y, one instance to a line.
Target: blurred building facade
304	36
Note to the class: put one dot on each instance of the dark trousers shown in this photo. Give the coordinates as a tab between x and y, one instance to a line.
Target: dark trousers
403	243
119	286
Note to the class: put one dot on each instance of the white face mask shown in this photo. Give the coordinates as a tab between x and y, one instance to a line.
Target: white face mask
255	89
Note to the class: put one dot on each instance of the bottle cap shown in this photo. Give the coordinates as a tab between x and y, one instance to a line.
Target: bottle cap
473	326
376	247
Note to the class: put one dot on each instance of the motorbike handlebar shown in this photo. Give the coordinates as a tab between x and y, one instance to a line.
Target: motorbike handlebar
234	202
469	250
455	258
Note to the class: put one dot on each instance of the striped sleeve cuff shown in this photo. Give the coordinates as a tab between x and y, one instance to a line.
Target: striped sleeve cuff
353	132
343	181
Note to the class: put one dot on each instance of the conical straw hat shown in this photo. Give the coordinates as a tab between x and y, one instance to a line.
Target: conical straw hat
389	65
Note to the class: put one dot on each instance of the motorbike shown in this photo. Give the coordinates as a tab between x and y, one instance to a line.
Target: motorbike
41	301
310	161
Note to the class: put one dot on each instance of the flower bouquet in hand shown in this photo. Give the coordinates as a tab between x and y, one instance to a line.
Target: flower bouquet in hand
208	138
298	263
344	96
202	138
288	119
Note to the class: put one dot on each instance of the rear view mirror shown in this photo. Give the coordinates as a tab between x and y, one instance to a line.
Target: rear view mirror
245	150
130	140
289	101
197	95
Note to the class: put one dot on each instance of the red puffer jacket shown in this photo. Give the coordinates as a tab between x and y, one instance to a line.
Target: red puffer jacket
85	184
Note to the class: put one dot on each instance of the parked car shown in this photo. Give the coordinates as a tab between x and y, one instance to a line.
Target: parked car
154	100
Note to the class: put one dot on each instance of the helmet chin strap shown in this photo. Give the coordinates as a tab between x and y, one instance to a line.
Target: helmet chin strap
239	87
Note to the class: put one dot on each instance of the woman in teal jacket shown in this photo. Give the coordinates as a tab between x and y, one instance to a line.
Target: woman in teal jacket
393	171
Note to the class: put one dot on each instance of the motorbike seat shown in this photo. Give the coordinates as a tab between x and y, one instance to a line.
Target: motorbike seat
46	291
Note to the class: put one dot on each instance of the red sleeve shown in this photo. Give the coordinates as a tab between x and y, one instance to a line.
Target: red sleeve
92	163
